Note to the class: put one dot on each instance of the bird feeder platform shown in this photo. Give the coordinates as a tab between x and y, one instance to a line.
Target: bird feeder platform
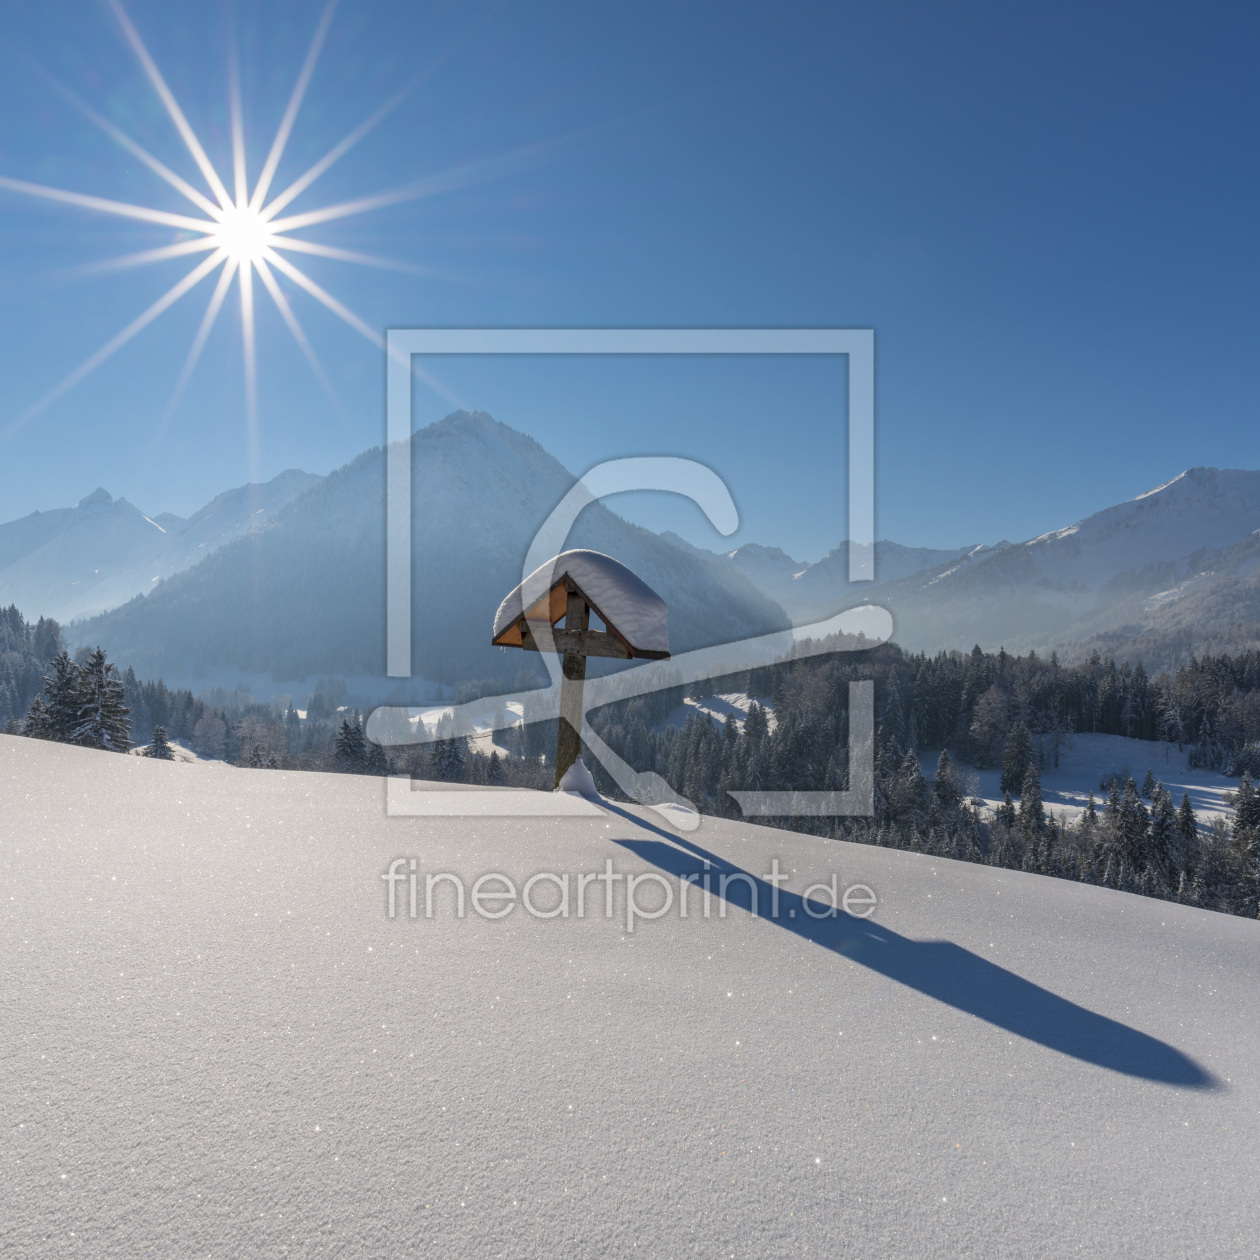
576	585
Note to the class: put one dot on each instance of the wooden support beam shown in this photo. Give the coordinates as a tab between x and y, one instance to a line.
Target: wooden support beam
579	642
573	666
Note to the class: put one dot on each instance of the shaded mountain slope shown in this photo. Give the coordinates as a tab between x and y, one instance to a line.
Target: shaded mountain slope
305	594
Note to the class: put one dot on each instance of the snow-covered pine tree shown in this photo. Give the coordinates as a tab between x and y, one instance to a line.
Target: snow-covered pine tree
1005	812
350	745
103	718
1246	806
1246	834
1111	814
756	724
911	797
159	746
1032	815
1149	784
945	789
1017	756
1133	829
1187	828
61	689
36	724
1165	843
448	759
1090	816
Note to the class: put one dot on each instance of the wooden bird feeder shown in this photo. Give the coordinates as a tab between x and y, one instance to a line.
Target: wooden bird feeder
577	584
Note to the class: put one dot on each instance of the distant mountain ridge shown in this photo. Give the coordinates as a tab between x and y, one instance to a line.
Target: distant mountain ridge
1175	570
1124	579
304	594
288	578
811	592
76	562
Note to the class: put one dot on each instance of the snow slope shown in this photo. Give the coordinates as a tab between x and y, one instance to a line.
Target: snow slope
217	1043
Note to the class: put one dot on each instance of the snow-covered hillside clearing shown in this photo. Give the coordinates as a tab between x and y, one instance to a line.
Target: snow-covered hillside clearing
718	708
218	1043
1084	761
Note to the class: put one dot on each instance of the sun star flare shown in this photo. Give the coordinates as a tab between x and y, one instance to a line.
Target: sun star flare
239	230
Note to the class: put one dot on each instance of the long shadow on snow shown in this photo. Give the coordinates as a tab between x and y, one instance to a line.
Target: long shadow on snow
941	969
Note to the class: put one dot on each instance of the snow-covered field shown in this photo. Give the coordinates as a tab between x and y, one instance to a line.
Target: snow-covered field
1084	760
216	1041
718	708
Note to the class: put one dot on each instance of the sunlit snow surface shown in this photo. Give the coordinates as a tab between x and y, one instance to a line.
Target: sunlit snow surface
217	1043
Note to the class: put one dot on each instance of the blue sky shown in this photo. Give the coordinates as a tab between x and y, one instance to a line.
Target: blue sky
1046	214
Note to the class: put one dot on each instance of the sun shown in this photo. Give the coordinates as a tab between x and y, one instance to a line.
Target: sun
243	233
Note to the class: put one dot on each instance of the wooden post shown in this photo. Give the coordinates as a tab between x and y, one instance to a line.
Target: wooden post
573	666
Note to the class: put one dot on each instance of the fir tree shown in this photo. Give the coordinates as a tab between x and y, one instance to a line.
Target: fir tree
159	747
1149	784
448	759
1187	828
376	761
911	795
1091	812
36	724
1017	756
61	687
1165	847
1111	814
1006	811
1246	836
945	789
103	718
1133	828
1246	806
1032	815
350	746
494	771
756	724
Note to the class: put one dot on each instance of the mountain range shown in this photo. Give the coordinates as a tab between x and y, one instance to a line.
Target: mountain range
75	562
1169	573
286	579
303	593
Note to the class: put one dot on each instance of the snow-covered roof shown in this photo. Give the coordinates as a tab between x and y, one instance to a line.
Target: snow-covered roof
619	597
